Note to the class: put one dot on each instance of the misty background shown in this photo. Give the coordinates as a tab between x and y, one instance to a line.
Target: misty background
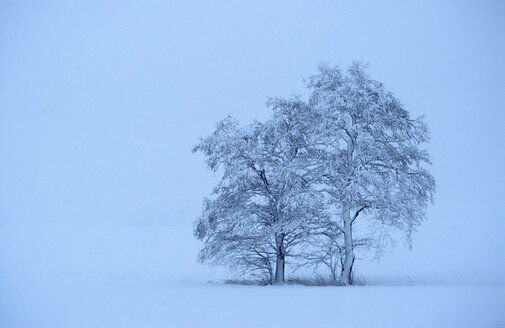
101	103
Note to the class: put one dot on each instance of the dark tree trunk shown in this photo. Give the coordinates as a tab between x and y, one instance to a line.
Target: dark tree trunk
346	275
281	261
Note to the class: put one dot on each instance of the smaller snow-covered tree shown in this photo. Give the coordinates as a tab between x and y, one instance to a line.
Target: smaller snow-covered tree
263	206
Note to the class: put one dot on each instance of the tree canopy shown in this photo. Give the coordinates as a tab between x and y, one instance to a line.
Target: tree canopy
298	181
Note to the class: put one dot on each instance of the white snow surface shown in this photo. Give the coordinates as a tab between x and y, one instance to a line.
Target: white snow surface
148	277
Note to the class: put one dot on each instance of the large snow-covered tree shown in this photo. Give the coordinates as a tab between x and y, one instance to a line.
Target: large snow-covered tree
263	205
306	175
375	163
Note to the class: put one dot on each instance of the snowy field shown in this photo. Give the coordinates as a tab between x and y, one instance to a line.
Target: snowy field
102	302
147	277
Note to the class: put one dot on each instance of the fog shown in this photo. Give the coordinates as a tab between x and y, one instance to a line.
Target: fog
101	103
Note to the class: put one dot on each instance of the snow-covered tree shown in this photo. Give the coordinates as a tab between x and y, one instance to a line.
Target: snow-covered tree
374	166
352	150
263	205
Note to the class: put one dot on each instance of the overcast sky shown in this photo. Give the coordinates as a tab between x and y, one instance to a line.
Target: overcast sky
101	103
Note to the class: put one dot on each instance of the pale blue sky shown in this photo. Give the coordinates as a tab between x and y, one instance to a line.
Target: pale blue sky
100	103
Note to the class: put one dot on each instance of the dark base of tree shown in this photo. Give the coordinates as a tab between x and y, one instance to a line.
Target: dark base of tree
317	280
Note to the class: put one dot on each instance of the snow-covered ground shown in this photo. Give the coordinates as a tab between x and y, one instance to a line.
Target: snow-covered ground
147	277
97	302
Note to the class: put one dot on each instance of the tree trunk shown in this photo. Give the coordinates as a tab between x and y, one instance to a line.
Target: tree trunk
346	275
280	263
